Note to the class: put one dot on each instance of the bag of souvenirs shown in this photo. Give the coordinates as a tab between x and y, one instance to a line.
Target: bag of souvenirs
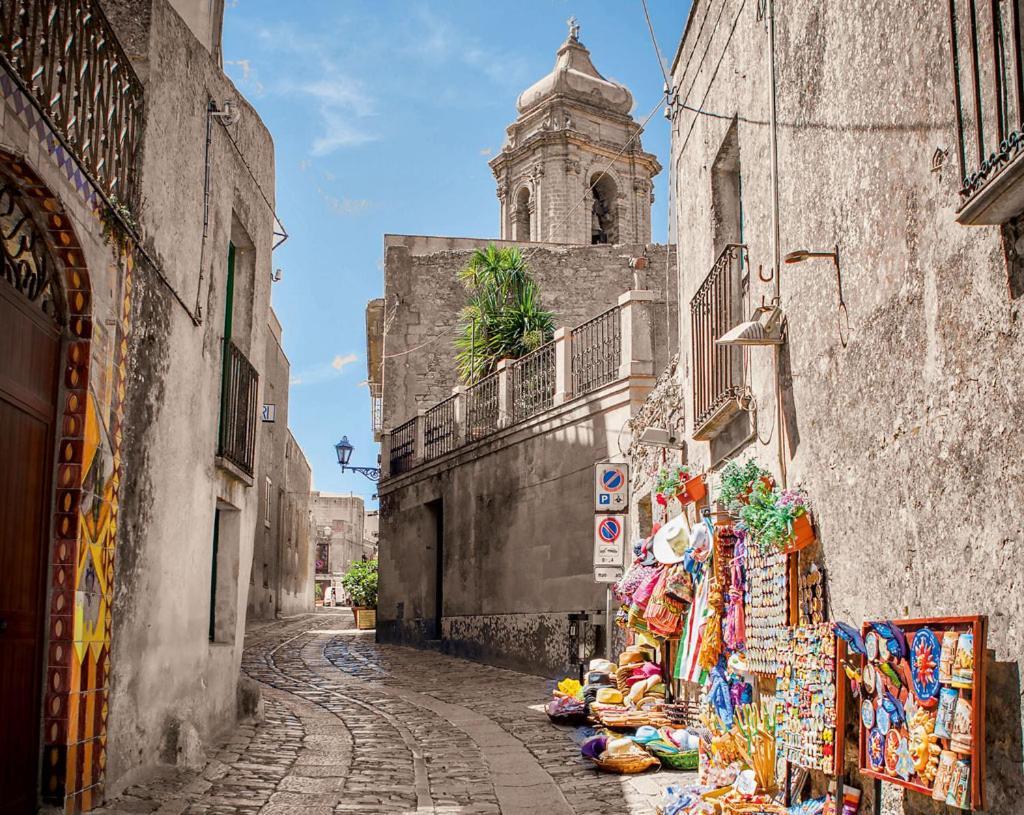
678	584
663	614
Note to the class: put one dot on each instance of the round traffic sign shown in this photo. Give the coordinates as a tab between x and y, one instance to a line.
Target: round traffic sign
609	530
613	480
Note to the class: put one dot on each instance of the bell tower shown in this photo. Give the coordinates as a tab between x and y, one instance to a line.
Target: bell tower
572	169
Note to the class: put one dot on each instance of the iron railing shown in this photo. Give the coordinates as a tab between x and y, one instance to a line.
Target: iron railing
440	432
714	309
238	408
533	382
985	52
403	447
596	352
482	407
66	56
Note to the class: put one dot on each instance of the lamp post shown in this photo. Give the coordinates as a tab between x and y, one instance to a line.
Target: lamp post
344	450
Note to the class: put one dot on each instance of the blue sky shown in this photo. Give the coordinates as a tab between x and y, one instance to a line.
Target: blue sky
384	115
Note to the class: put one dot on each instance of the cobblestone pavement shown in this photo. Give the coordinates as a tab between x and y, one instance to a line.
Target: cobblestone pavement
355	727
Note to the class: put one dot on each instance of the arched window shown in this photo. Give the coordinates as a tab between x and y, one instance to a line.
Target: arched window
604	226
521	217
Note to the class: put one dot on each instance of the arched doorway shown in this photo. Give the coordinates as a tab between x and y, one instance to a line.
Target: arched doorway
46	330
30	334
522	227
604	222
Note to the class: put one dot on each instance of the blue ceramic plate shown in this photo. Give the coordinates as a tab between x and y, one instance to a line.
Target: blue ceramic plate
867	714
925	653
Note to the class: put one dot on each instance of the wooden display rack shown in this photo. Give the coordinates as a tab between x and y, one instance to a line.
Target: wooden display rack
977	625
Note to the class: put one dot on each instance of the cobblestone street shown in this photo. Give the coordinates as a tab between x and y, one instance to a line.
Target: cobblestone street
356	727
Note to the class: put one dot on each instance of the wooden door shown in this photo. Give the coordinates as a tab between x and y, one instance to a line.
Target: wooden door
29	359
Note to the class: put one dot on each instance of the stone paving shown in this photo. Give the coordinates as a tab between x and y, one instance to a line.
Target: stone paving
355	727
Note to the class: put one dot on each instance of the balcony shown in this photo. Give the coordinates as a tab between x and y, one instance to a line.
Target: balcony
611	347
988	95
66	58
717	369
238	408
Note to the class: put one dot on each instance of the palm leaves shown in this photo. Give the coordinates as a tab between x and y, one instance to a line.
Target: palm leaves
504	318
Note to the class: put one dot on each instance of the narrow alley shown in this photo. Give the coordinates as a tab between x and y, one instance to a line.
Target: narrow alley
353	726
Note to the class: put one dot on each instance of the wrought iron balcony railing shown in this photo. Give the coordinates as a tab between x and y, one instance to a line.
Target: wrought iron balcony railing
403	447
717	369
533	382
988	95
66	57
439	429
238	410
596	351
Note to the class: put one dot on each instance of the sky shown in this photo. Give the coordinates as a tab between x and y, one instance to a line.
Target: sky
384	115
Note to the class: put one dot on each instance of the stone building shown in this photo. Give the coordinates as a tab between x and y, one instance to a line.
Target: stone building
281	578
134	308
339	523
473	551
893	400
575	141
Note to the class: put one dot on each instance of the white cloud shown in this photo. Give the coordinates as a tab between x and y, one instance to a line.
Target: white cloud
345	205
246	75
486	151
339	362
325	371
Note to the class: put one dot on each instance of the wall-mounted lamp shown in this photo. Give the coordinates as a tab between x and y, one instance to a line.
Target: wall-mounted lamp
800	255
763	328
660	437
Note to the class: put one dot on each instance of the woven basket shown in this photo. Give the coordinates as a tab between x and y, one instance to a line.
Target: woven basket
684	760
626	765
366	618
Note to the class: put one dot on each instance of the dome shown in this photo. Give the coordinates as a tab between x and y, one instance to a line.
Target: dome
575	76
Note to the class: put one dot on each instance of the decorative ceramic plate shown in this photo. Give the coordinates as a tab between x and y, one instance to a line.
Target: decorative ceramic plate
924	666
867	714
883	649
882	721
868	678
876	750
871	645
892	746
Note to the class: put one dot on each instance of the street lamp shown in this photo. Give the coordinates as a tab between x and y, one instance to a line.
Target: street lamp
344	450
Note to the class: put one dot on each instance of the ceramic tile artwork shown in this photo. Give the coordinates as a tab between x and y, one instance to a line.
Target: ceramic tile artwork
75	705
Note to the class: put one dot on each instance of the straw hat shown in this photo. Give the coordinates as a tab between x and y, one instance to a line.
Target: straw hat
670	542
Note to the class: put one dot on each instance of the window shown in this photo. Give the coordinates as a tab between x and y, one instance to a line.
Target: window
522	226
988	97
604	220
224	565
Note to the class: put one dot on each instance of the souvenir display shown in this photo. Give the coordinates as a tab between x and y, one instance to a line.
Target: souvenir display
766	607
812	597
806	697
925	731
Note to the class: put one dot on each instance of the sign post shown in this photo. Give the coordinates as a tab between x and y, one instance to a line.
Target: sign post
611	487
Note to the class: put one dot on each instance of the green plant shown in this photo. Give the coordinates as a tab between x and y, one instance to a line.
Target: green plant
736	482
768	516
360	583
671	479
504	318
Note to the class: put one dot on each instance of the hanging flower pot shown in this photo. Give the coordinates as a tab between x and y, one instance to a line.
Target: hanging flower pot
661	499
802	534
693	490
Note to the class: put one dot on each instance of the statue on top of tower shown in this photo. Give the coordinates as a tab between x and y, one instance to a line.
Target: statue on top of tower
574	29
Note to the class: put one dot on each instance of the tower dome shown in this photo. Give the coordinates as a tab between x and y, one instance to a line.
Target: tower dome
575	76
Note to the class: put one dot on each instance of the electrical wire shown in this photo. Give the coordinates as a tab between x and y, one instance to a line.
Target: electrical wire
284	232
657	50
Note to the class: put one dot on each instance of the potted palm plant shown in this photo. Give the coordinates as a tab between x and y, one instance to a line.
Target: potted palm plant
360	583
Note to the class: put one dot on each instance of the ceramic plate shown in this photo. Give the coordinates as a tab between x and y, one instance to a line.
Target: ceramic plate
871	645
867	714
876	750
924	666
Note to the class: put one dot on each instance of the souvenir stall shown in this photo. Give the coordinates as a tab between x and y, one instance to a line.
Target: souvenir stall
734	670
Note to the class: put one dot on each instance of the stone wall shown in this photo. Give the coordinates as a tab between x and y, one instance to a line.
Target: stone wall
516	512
338	520
904	426
167	676
423	298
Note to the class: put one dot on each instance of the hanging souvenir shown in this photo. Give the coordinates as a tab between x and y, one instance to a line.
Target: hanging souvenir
944	774
925	655
960	739
876	750
963	666
944	715
948	655
959	794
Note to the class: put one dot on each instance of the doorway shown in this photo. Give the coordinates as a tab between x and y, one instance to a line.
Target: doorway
29	369
437	512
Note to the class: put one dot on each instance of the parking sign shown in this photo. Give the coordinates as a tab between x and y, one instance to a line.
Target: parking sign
611	487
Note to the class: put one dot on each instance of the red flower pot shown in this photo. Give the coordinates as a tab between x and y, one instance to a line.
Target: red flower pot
803	534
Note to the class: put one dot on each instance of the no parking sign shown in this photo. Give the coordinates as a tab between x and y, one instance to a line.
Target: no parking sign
609	540
611	487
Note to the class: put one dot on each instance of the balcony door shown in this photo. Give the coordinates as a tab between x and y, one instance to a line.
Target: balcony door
29	366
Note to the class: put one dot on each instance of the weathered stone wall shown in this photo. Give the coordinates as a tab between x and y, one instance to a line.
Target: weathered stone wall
905	431
423	298
343	516
167	677
518	529
280	581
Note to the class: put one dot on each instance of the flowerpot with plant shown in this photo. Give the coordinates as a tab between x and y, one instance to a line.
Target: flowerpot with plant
737	483
360	584
793	505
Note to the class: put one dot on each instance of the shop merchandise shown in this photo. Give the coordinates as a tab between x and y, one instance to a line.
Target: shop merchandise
765	610
919	725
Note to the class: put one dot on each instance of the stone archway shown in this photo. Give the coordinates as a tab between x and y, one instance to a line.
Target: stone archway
84	500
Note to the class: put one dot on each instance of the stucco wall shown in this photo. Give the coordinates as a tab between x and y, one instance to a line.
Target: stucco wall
907	437
518	517
165	669
423	298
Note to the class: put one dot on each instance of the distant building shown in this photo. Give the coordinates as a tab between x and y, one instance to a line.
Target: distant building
339	522
281	579
486	521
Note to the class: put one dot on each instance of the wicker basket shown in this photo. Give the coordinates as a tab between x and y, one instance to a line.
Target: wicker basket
626	765
366	618
680	760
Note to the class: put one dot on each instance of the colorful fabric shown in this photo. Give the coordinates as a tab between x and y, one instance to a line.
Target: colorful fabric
663	614
687	668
